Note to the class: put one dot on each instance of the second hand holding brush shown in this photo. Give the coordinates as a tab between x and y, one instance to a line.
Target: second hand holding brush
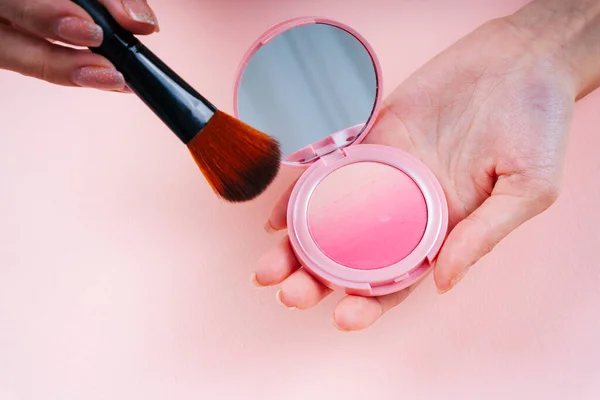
237	160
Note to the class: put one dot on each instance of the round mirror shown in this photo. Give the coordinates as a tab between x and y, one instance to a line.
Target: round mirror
307	84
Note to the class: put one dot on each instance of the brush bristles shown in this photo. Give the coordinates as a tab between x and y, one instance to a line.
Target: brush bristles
237	160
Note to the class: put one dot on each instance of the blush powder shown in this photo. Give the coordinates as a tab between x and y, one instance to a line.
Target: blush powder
367	215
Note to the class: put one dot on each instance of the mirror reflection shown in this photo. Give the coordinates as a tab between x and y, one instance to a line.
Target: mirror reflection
306	84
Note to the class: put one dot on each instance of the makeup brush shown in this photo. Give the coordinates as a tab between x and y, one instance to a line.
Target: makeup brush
238	161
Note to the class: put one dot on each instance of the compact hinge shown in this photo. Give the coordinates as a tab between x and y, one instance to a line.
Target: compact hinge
333	155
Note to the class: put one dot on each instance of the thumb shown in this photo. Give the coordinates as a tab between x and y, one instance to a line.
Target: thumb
514	200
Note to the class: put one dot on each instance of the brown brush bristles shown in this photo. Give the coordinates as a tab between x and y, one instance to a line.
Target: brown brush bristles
238	161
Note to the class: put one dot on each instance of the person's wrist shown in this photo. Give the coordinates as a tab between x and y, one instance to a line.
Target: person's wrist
567	34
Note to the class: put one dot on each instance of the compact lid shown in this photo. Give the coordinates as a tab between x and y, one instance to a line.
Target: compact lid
313	84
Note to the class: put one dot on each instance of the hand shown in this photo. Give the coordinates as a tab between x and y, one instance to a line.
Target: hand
490	117
31	32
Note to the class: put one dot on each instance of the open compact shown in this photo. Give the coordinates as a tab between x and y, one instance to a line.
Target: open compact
363	218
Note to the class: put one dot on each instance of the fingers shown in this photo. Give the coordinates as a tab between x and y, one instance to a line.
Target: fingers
301	291
509	206
134	15
25	24
40	59
280	266
355	313
276	265
278	218
59	20
63	20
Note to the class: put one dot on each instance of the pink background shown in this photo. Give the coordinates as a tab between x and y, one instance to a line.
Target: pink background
123	277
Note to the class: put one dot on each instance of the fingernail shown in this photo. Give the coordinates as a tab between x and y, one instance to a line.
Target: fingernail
125	90
278	298
338	327
443	290
79	32
335	324
459	277
454	281
102	78
269	228
140	11
255	281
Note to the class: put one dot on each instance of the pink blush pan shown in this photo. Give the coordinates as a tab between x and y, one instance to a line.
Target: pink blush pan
367	215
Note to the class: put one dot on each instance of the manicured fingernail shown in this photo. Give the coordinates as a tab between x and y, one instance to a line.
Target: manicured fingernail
269	228
79	32
281	303
255	281
125	90
140	11
103	78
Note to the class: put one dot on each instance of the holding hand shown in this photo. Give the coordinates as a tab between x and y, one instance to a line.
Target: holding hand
31	30
490	117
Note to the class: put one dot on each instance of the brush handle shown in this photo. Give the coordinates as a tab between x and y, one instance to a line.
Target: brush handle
176	103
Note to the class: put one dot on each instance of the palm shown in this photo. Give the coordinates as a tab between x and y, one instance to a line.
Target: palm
490	120
473	118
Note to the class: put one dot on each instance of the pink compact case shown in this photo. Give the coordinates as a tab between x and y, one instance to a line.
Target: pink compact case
363	218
